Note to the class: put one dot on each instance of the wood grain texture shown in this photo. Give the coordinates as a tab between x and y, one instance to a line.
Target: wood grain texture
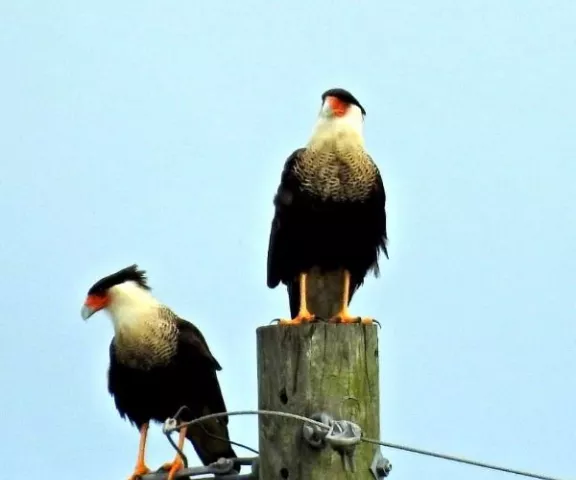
308	369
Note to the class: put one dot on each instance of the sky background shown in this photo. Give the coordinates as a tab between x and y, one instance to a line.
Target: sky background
155	132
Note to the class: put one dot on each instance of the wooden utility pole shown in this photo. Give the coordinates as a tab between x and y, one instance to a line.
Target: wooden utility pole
314	368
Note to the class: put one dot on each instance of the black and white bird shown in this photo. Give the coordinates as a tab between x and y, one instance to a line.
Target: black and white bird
159	363
329	224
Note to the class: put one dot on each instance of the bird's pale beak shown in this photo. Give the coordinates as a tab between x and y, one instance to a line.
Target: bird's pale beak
92	304
87	312
327	109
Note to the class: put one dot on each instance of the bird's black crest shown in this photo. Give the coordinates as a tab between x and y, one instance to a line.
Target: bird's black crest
343	95
127	274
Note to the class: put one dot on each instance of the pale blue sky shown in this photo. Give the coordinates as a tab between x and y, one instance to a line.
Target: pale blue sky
155	132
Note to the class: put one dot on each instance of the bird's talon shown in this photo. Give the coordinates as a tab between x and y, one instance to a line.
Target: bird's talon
173	468
352	319
302	318
138	472
367	321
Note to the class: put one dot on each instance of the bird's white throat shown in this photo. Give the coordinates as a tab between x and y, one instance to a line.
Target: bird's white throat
132	308
348	129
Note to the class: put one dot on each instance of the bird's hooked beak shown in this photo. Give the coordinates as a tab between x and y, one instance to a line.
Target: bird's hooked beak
92	304
86	312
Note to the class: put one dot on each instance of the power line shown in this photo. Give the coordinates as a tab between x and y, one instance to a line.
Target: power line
210	434
457	459
172	422
171	426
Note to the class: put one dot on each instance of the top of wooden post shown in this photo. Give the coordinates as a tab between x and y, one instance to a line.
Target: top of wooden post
313	368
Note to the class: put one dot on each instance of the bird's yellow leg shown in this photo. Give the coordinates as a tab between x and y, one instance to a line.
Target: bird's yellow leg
177	464
304	316
344	316
141	467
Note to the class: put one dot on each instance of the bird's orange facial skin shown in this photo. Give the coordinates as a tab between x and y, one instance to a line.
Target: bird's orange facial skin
96	302
338	106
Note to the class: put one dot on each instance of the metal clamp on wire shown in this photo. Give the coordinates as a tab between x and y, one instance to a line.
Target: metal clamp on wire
343	436
169	426
381	466
314	434
222	466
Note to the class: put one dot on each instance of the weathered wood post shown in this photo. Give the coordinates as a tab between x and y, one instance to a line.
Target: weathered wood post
308	369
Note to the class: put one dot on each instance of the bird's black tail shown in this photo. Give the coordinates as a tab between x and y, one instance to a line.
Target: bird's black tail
211	441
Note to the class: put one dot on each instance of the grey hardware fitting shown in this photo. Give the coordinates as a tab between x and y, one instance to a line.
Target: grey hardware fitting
341	435
314	435
221	470
380	467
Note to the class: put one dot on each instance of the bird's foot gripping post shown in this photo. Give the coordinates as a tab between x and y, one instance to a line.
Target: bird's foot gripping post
304	315
345	317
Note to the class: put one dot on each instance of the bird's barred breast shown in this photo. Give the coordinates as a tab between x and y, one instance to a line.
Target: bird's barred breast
337	173
151	346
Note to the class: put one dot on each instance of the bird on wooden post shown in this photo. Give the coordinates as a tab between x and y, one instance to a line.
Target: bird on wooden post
159	363
329	224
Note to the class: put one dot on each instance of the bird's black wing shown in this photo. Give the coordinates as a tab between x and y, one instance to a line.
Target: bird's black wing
114	373
375	207
277	244
192	339
211	437
378	201
193	353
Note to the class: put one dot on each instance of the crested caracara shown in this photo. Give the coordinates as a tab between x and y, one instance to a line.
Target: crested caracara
159	363
329	224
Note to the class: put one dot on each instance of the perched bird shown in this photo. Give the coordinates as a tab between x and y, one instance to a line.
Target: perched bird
159	363
329	225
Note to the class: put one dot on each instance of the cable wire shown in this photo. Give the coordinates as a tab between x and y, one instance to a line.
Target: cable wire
177	416
236	444
246	412
168	430
457	459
